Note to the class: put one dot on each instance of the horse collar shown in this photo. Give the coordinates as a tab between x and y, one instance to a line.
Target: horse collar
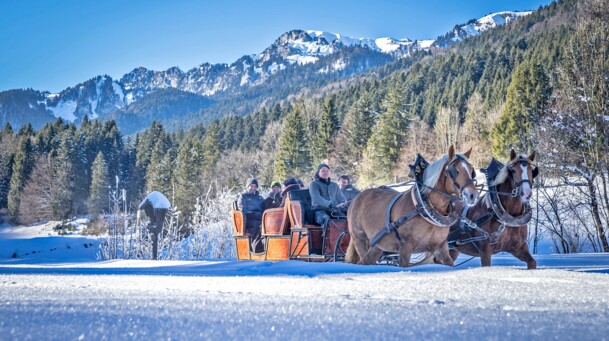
430	213
502	215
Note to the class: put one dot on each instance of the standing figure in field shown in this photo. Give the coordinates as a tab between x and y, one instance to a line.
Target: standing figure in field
499	221
418	220
252	206
326	198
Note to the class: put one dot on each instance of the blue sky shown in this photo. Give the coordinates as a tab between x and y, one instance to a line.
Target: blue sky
54	44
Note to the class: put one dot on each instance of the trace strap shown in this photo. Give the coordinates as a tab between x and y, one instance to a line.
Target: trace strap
393	227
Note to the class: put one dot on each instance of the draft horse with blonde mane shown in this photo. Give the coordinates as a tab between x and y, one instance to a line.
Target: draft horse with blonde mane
418	220
498	222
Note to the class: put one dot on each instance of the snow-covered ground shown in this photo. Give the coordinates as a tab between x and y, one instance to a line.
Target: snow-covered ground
58	295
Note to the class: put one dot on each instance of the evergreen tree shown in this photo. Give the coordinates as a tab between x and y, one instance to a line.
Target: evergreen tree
63	176
325	132
187	175
211	148
22	167
128	172
354	134
293	158
386	141
98	194
158	177
9	142
527	99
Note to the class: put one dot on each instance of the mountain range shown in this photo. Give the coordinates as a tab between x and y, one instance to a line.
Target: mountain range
208	91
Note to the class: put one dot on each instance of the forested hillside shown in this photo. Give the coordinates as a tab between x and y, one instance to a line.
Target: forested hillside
539	83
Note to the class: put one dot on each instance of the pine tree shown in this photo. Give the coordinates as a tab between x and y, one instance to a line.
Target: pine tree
98	194
63	175
9	142
187	175
325	132
22	167
293	158
158	177
527	99
385	144
129	172
211	148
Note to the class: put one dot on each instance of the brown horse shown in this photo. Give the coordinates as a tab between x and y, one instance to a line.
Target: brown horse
418	220
498	222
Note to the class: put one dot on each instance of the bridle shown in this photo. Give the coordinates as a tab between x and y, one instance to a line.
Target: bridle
451	171
518	184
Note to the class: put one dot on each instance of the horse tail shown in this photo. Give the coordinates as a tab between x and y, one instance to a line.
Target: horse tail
352	256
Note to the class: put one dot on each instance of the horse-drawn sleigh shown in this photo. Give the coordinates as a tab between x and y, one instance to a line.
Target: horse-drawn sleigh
290	232
440	215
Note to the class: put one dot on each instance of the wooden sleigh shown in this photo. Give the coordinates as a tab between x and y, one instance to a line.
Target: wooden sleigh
291	233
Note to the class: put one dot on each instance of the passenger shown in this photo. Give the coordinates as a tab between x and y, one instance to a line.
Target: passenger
288	186
301	184
326	197
274	198
349	192
252	206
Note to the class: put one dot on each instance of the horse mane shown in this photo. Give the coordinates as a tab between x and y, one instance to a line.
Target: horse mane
432	173
503	174
434	170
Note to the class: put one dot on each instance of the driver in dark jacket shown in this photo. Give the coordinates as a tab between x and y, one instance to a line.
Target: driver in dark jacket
326	196
252	206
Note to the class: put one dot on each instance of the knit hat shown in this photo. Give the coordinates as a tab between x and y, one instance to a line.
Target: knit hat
321	165
290	181
276	184
251	181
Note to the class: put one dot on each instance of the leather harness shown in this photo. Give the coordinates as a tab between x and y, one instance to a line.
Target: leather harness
422	206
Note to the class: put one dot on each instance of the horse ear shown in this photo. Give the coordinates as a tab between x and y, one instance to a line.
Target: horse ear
468	153
451	152
512	154
532	156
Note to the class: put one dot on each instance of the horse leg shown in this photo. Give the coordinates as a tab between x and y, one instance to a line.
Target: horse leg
372	256
524	255
405	254
486	253
352	256
442	255
454	253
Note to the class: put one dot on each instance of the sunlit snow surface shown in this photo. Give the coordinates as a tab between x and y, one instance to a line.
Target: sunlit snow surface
180	300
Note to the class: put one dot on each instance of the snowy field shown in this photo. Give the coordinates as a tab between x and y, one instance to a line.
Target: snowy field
61	292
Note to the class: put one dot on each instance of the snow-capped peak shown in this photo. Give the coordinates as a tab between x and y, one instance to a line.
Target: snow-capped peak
490	21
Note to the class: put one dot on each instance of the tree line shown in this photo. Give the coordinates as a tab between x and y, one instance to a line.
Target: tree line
539	83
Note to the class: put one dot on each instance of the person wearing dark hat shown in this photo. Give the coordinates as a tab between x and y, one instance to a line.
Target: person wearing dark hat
349	192
289	185
326	197
274	198
252	206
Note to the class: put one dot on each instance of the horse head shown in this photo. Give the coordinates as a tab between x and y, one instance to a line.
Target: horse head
460	176
453	175
520	171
